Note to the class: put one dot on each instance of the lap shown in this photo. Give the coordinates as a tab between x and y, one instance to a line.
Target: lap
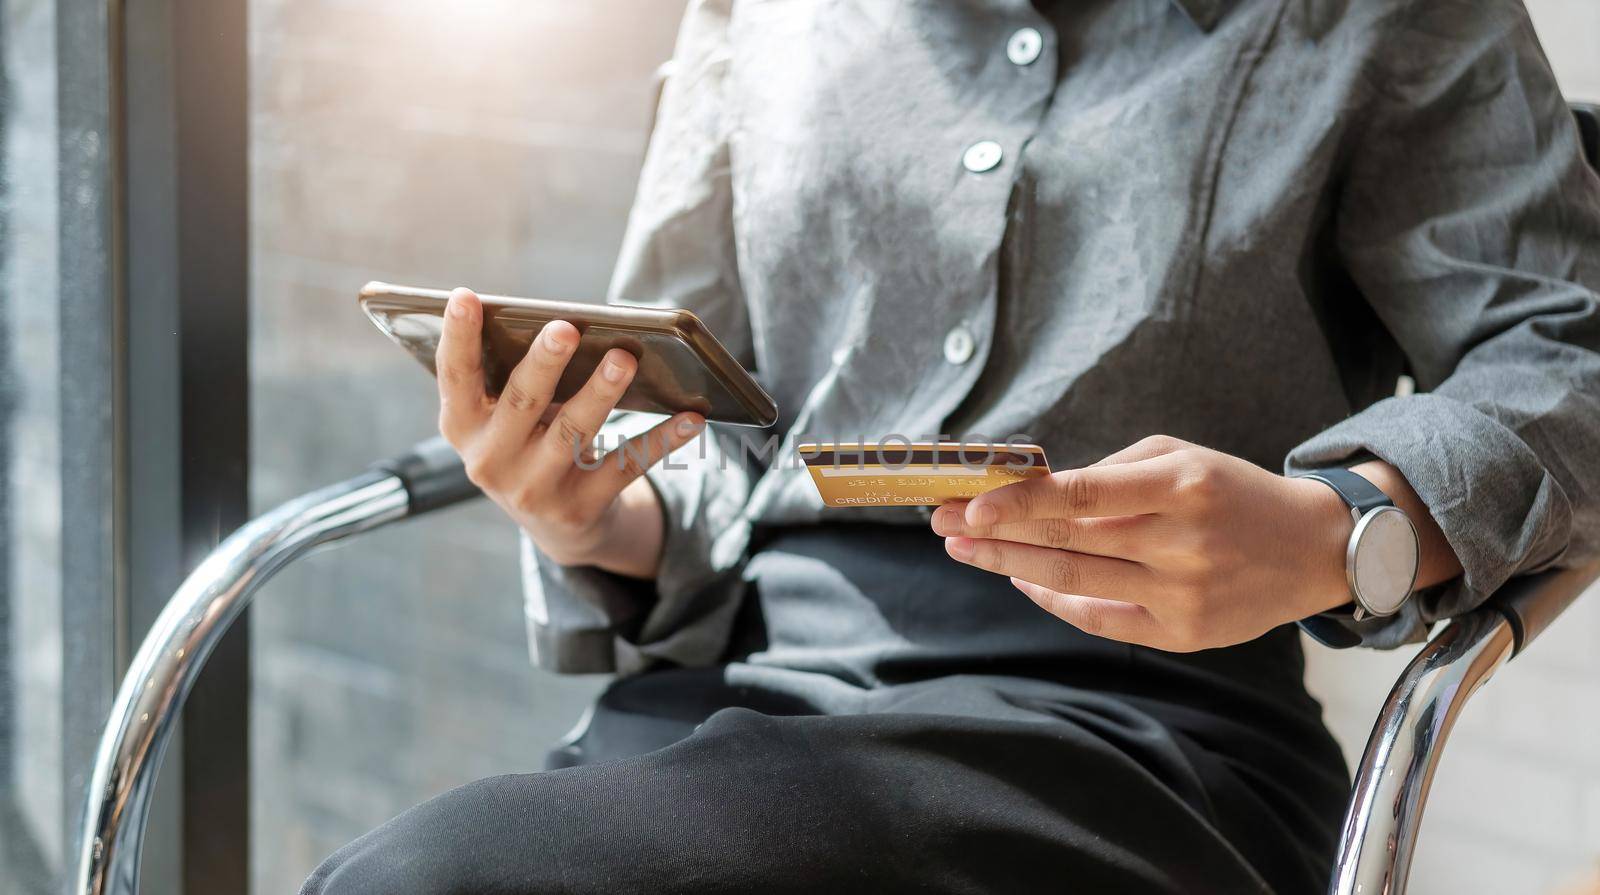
964	787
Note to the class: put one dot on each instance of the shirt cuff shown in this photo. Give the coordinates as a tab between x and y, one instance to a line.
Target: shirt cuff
575	614
584	620
1499	508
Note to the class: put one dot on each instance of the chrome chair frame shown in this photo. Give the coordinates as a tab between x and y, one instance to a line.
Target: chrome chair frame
1380	825
1407	741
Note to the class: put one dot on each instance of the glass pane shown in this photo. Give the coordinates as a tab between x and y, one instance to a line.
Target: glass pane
494	144
31	798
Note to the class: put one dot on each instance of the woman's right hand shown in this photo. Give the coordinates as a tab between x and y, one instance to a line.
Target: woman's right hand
535	458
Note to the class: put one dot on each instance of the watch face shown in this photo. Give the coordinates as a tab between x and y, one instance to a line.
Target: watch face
1383	559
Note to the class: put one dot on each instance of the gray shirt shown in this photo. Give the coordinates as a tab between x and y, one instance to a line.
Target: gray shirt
1232	221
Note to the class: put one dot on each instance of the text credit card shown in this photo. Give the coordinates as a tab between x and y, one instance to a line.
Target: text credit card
917	474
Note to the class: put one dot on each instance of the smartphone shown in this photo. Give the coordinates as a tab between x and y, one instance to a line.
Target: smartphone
682	366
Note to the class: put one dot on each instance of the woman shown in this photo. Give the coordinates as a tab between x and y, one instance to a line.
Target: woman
1179	243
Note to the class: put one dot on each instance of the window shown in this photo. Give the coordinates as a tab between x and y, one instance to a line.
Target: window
429	144
56	605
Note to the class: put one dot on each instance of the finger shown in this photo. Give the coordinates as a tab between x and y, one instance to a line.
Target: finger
532	384
1060	570
458	361
618	467
1144	449
1126	537
1123	489
1126	622
574	427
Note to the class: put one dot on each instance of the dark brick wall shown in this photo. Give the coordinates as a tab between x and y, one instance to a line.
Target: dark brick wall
493	144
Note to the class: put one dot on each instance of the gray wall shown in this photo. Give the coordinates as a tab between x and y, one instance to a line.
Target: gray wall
493	144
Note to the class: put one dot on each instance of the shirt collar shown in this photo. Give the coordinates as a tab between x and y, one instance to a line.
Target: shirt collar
1204	13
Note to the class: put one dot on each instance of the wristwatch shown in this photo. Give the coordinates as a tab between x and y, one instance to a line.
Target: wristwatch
1381	561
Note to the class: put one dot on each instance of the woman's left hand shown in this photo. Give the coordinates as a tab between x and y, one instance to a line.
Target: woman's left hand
1165	544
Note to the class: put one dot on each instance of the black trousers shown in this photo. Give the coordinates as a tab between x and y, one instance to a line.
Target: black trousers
1106	768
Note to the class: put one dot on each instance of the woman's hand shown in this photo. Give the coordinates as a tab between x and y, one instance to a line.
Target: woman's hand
535	458
1174	546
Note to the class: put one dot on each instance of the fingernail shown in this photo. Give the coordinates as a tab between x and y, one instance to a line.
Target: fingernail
960	548
456	308
689	425
557	340
981	514
613	371
944	522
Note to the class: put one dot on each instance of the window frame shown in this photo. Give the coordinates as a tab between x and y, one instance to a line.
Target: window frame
152	231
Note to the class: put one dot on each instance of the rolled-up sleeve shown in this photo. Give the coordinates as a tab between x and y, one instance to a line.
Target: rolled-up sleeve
678	251
1471	224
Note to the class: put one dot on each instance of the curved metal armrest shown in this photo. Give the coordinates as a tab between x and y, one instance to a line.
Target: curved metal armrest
1533	603
1391	787
428	477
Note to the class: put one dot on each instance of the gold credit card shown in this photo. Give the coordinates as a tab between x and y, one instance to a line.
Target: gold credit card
917	474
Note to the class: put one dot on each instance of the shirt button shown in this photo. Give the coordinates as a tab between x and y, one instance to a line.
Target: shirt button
982	156
958	345
1024	46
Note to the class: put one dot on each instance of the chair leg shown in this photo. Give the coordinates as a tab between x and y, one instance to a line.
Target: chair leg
1391	787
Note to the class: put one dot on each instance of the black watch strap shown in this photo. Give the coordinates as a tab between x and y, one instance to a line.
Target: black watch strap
1360	494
